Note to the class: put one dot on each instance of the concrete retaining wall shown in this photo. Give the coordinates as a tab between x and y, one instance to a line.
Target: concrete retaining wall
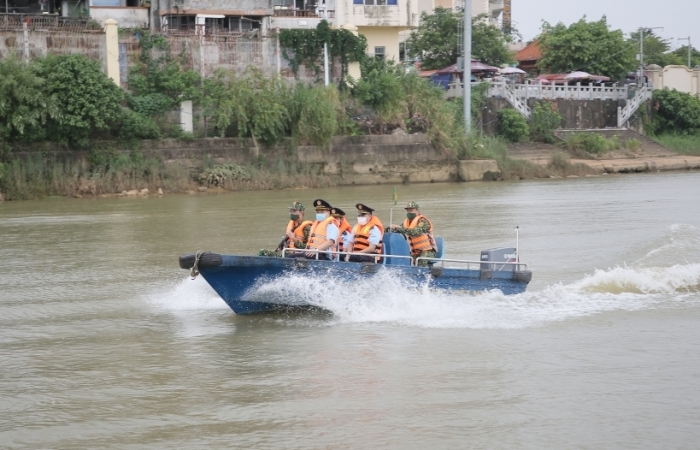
348	160
577	114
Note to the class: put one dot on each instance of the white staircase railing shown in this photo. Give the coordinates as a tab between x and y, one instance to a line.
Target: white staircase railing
623	114
518	103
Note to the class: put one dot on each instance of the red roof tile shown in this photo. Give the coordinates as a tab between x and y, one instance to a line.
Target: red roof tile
530	53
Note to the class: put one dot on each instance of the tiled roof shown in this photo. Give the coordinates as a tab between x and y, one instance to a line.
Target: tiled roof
529	53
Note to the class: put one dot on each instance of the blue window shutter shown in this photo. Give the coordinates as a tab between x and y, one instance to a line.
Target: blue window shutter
392	2
356	2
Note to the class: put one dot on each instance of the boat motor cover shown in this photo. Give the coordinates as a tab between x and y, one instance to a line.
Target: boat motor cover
498	255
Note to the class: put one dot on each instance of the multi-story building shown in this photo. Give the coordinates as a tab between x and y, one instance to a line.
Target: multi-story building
492	8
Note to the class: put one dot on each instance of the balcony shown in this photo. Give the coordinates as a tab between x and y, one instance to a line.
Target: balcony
495	8
372	13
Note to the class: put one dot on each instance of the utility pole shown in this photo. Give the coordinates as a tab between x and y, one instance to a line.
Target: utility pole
641	52
467	72
326	75
689	47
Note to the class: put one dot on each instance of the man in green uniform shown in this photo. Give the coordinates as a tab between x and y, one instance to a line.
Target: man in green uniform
418	230
297	233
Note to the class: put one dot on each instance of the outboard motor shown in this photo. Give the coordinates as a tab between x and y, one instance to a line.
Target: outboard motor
496	257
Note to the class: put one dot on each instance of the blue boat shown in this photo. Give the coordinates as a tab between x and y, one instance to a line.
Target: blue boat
238	279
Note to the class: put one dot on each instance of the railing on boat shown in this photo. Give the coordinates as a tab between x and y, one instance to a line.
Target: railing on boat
501	265
442	261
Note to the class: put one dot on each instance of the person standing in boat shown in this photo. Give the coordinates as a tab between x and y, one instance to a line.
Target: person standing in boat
344	228
366	236
323	234
297	233
418	229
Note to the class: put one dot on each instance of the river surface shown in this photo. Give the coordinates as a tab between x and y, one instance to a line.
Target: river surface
105	343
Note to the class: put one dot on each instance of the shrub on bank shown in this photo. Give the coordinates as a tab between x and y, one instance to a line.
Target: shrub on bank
512	126
592	143
544	122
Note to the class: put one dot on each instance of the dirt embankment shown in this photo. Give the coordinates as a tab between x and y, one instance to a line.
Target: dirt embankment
648	157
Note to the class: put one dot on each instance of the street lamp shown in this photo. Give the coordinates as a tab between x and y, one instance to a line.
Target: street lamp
689	47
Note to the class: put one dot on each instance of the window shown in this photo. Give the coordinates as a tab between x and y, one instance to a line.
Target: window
379	52
375	2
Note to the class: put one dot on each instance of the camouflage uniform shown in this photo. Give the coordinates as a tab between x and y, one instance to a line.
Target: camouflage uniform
277	253
422	227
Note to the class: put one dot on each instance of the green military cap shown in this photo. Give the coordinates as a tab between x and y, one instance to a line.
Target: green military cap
412	205
297	206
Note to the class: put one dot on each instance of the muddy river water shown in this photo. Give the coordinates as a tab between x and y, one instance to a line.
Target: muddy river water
106	343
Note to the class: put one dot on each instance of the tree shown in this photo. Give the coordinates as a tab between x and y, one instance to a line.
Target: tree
24	108
682	53
436	40
656	49
489	44
586	46
676	113
86	98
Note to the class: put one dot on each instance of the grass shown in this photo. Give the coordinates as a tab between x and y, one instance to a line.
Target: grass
486	147
685	145
38	177
592	143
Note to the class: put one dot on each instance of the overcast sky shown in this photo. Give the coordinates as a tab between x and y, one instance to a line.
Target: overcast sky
679	18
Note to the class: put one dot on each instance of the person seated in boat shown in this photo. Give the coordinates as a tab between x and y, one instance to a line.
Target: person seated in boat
344	228
323	234
298	229
366	236
297	233
418	229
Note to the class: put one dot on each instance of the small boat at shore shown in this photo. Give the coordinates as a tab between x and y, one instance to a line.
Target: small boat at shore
238	279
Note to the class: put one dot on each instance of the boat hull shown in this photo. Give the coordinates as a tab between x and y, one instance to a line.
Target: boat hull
237	279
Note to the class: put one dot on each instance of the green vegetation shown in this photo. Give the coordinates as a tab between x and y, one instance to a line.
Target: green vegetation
435	40
676	121
512	126
305	47
683	144
588	46
592	143
675	113
544	122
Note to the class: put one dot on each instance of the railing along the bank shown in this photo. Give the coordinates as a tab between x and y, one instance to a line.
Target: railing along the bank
547	92
559	91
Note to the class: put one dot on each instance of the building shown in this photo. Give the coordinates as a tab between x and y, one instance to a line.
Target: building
529	56
492	8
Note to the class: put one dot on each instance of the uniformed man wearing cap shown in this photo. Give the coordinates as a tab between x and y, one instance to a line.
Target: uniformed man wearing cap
297	233
366	236
323	234
419	231
344	228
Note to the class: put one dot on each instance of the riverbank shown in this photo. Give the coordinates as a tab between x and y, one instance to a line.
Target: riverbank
205	165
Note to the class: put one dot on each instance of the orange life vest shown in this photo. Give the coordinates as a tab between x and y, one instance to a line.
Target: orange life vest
423	242
298	231
317	235
343	226
361	233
